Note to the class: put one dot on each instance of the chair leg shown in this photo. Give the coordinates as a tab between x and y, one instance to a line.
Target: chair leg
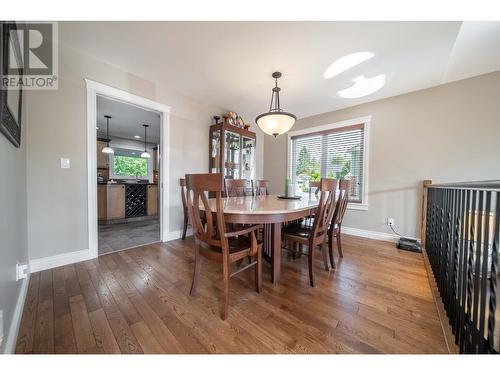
185	227
301	250
325	256
258	270
339	244
311	272
330	247
197	267
225	290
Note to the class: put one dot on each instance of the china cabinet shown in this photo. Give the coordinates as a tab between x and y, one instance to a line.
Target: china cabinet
232	151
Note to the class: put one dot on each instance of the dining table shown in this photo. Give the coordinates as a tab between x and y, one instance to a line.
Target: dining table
270	211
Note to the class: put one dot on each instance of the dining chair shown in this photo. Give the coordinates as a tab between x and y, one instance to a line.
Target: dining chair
260	187
314	187
299	233
211	239
235	188
182	183
338	216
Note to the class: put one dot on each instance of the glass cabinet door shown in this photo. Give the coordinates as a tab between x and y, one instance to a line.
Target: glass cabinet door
232	155
216	160
247	158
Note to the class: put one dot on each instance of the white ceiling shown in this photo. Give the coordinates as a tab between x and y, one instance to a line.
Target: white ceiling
126	121
229	64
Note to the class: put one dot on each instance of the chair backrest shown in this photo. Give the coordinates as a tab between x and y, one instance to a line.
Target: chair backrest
235	188
314	187
326	206
182	184
342	201
260	187
198	187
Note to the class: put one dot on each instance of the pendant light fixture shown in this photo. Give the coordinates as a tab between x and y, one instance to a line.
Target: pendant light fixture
276	121
107	149
145	154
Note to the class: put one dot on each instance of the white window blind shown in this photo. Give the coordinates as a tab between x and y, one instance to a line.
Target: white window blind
335	153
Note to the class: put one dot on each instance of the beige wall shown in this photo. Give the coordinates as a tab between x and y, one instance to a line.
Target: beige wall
57	198
13	231
447	133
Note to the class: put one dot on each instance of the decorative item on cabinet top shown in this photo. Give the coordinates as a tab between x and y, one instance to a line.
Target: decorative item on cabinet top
233	119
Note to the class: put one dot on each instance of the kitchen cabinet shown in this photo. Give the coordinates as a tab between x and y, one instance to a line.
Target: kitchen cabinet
102	159
232	151
115	202
102	201
152	200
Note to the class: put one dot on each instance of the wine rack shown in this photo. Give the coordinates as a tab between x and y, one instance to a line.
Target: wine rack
136	199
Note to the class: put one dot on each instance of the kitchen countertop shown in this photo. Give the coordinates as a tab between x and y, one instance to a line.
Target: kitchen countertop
127	183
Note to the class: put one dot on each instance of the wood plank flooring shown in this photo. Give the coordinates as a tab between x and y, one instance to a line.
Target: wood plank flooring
377	300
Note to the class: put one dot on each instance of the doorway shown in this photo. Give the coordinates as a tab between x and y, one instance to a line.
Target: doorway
127	169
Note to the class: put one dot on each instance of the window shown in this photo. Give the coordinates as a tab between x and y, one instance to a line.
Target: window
333	151
129	164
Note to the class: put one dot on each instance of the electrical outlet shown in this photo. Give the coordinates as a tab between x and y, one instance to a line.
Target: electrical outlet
390	221
1	327
21	271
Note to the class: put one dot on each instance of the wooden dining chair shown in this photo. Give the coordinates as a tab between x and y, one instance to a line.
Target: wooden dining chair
235	188
300	233
314	187
338	216
260	187
211	239
182	183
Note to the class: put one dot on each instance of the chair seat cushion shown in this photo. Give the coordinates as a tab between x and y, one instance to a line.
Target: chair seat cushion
297	229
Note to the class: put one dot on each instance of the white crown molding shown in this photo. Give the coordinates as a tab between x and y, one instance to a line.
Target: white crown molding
10	343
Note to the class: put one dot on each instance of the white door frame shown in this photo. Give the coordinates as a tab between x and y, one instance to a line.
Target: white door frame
93	90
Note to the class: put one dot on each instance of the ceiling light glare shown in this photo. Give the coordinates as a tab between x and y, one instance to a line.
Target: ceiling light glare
363	87
346	63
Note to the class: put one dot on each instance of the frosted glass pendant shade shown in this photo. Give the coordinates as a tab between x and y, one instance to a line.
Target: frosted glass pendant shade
108	150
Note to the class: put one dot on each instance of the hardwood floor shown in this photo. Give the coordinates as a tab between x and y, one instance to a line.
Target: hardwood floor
378	300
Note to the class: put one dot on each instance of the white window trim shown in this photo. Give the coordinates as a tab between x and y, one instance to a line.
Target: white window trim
360	120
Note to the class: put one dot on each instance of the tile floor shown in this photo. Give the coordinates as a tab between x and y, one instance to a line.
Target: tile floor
115	237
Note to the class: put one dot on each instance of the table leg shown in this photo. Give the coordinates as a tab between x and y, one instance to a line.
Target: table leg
276	252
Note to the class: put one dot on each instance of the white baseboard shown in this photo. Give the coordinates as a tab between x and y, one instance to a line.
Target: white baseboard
176	234
371	234
46	263
10	343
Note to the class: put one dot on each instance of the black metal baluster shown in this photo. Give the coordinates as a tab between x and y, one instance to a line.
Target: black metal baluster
470	276
484	272
493	279
462	269
453	267
477	268
465	279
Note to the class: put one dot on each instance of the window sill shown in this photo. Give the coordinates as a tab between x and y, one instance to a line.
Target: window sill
357	206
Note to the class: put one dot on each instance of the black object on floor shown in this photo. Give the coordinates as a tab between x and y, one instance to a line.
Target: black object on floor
409	244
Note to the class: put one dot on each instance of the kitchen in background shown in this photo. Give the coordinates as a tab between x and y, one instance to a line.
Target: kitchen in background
128	140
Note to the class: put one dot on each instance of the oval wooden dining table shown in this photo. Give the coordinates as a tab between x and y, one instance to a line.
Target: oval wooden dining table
270	211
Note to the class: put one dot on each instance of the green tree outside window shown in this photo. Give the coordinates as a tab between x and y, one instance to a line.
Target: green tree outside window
130	166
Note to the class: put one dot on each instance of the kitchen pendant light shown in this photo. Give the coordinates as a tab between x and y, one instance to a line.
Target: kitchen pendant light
276	121
145	154
107	149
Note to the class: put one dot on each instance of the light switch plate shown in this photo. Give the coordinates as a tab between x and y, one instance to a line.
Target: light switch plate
65	164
